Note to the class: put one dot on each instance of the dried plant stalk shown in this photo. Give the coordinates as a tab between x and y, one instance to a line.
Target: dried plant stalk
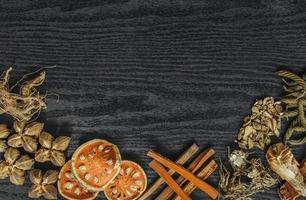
193	167
282	161
181	160
208	189
27	103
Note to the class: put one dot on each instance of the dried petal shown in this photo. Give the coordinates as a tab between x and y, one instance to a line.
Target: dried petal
57	158
46	139
3	146
29	144
34	129
42	155
15	141
4	170
4	132
11	155
15	177
50	192
50	177
18	126
61	143
35	192
25	162
36	176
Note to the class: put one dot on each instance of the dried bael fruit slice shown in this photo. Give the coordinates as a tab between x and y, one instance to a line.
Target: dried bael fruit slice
129	184
95	164
69	187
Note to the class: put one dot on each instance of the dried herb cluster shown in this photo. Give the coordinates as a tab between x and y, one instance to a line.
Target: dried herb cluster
263	123
259	178
295	101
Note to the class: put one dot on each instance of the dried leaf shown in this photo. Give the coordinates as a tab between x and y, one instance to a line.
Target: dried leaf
57	158
15	141
4	131
46	140
50	192
29	144
11	155
50	177
61	143
42	155
25	162
34	129
36	176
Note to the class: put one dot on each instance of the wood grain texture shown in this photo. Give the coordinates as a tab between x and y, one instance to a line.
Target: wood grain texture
153	73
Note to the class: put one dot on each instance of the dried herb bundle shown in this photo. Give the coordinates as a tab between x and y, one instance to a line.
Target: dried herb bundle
26	135
259	178
15	165
52	149
295	101
43	184
27	103
263	123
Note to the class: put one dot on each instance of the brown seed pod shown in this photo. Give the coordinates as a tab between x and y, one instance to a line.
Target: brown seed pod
43	184
96	163
52	149
129	184
69	187
26	135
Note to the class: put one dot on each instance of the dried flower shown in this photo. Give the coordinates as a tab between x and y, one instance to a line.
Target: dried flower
43	184
26	135
15	165
4	133
258	177
263	123
52	149
25	105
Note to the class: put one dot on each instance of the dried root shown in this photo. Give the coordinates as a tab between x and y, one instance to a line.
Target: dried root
27	103
259	178
263	123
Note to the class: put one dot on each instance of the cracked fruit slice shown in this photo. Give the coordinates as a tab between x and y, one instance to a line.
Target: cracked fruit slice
129	184
69	187
95	164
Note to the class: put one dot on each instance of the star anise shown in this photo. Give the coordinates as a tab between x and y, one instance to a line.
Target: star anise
26	135
15	165
52	149
4	133
43	184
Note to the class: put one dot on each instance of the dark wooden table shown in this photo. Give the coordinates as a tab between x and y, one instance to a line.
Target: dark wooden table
152	74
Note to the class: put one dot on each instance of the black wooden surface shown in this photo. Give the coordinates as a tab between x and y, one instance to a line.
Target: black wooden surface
152	73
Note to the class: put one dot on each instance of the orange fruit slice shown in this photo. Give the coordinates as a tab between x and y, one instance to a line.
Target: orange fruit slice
129	184
69	187
95	164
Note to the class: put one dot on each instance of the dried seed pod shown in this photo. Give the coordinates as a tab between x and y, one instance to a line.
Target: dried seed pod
4	133
52	149
263	123
282	162
15	165
43	185
69	187
26	135
129	184
100	159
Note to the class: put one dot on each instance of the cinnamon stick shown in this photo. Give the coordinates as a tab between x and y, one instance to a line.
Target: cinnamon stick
183	158
202	174
162	172
193	167
205	187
